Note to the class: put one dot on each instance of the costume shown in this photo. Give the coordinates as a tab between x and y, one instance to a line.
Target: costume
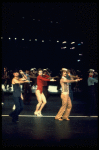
17	101
66	101
40	83
65	86
91	95
70	88
27	90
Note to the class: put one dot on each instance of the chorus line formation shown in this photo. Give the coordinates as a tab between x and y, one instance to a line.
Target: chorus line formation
41	92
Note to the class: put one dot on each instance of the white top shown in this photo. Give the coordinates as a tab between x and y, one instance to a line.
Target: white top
64	85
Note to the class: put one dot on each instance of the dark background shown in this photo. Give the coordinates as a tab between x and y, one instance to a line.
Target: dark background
77	22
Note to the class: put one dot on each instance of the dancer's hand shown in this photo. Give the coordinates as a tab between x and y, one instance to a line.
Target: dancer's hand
78	79
52	80
96	73
22	97
21	71
27	81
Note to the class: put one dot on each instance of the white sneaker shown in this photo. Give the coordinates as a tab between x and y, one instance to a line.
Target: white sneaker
39	114
14	107
35	113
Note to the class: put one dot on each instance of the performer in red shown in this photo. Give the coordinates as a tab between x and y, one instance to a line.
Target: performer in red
39	93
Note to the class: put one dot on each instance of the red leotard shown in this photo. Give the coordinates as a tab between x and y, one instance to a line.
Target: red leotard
45	82
40	80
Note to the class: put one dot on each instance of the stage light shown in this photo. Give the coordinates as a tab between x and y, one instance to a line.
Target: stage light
22	39
78	60
63	47
1	37
80	54
72	42
72	48
35	39
9	38
15	38
42	40
30	40
64	42
57	41
79	44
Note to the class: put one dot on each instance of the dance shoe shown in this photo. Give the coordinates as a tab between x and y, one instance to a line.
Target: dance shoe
60	119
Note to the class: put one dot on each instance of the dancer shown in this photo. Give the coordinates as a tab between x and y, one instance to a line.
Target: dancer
33	73
45	83
17	96
6	78
27	87
69	76
39	93
66	101
47	75
91	92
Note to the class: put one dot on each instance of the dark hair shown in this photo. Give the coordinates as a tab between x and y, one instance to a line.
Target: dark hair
45	71
27	70
62	72
16	70
5	67
40	69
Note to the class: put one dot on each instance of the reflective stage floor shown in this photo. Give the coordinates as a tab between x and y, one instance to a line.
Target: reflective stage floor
80	131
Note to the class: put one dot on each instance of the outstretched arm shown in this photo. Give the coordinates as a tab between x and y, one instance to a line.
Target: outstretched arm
44	79
14	81
32	76
22	79
22	73
70	81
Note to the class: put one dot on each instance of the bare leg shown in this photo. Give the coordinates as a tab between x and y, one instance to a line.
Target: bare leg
38	106
38	95
43	102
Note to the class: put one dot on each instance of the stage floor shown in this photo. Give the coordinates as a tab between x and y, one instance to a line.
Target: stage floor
81	130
